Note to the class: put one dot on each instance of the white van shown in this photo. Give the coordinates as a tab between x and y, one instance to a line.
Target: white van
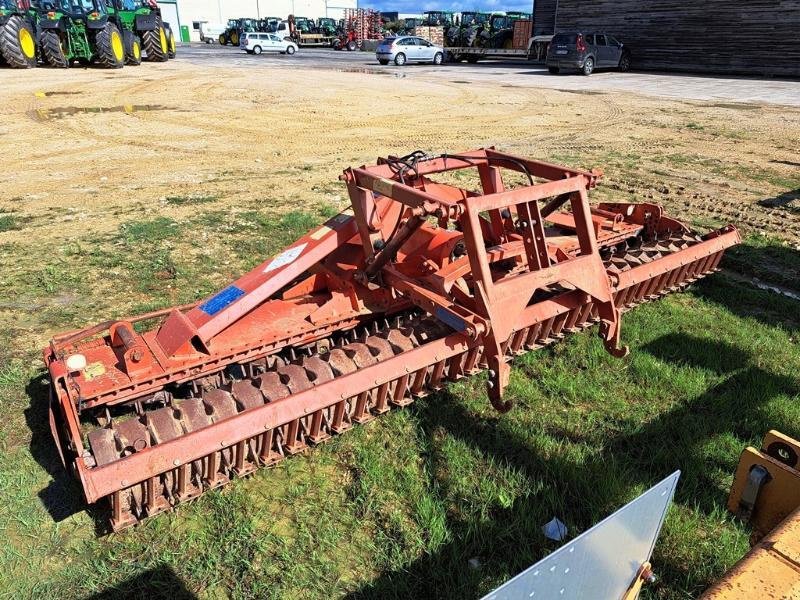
256	43
210	32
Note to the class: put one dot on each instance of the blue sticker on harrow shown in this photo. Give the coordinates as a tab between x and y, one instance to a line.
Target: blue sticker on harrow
448	318
222	300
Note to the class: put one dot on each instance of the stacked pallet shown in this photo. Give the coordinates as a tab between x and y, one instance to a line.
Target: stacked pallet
756	37
523	30
434	34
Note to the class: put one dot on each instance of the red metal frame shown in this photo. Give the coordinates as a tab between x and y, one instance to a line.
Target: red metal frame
473	259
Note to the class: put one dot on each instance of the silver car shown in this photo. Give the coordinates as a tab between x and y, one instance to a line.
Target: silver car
403	49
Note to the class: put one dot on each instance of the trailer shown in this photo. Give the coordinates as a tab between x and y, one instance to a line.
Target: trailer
286	29
536	50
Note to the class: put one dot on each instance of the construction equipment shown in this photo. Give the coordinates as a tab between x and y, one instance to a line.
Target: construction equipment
79	32
17	34
766	494
420	283
235	29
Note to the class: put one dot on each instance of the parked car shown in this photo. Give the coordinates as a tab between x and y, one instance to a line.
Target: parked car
256	43
403	49
587	52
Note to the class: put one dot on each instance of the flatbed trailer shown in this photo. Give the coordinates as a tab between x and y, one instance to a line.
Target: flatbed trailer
317	40
536	50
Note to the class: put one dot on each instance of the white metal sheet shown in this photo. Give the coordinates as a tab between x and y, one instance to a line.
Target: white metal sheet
602	562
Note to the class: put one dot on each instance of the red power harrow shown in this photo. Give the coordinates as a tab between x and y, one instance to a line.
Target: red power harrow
422	282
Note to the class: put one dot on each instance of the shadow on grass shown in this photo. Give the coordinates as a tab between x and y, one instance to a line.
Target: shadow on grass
63	496
160	582
761	267
783	201
582	490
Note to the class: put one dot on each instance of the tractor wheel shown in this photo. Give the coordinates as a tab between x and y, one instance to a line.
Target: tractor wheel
17	44
155	44
53	50
133	49
234	39
110	47
352	46
172	48
223	41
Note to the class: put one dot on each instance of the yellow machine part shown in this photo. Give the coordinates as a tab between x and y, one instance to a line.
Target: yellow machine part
778	495
770	570
766	492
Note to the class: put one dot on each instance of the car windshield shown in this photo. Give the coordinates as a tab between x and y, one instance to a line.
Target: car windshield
80	6
565	38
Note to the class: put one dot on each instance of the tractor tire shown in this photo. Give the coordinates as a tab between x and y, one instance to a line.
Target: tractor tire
172	47
155	44
52	50
110	47
223	41
133	49
234	39
17	43
352	46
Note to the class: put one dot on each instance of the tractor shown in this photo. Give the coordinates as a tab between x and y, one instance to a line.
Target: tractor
17	34
233	32
268	24
79	31
327	26
500	32
142	27
465	34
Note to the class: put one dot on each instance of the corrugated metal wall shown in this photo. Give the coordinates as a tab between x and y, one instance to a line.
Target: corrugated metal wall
758	37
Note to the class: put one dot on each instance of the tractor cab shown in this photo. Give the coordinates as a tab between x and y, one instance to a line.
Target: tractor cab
469	19
326	26
434	18
77	10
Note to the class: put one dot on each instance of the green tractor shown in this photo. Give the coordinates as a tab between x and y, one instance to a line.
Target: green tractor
79	31
327	26
17	37
234	30
466	32
142	29
500	33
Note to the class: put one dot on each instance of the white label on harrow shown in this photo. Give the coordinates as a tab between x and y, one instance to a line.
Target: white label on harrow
286	257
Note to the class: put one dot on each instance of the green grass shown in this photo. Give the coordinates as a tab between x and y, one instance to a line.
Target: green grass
9	223
397	508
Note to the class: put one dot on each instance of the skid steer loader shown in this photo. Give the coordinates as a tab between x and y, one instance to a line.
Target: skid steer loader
419	283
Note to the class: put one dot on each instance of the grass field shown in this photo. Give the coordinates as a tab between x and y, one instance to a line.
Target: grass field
397	508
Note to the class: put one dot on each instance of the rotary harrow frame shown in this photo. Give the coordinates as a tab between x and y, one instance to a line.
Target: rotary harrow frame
421	282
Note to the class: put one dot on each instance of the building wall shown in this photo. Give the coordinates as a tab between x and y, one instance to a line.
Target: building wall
756	37
219	11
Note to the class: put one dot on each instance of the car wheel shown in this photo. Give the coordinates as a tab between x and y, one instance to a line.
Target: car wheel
383	61
588	66
625	63
553	70
257	50
400	59
437	58
289	50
